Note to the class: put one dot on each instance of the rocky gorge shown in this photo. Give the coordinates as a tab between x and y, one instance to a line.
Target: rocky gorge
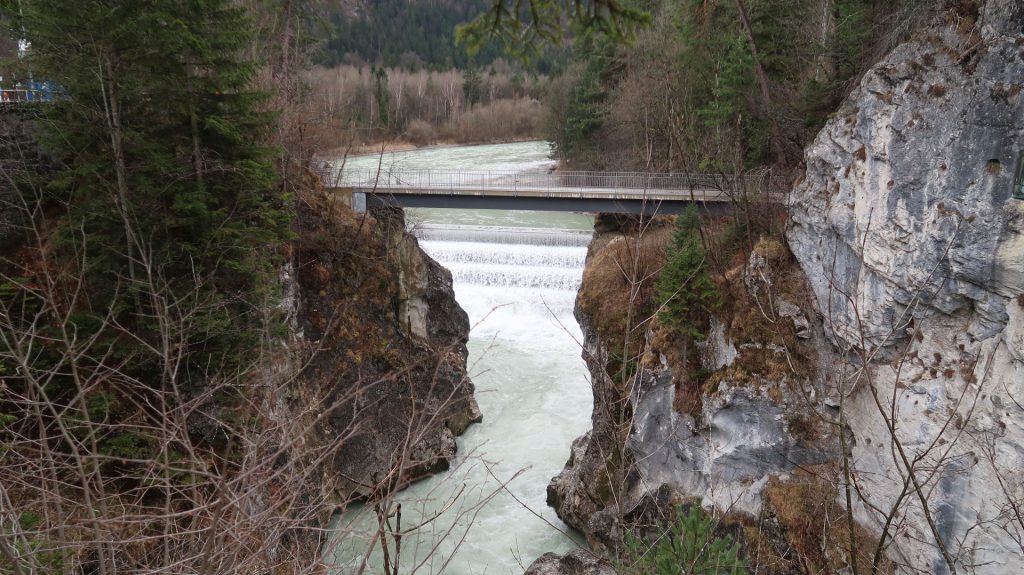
853	402
871	359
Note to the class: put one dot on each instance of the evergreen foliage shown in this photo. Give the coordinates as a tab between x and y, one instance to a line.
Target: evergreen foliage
403	33
525	28
573	135
472	85
382	97
684	286
172	195
702	104
688	547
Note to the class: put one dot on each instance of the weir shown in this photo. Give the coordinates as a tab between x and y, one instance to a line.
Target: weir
536	272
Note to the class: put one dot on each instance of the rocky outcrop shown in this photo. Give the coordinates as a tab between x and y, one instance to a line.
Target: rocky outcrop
755	416
914	247
897	320
906	206
578	562
599	464
388	366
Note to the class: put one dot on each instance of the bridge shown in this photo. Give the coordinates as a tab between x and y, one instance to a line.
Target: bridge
622	192
27	93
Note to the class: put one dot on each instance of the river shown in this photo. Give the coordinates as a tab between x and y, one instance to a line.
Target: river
516	274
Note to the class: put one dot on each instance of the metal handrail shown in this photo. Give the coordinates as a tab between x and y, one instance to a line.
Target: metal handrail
539	181
20	95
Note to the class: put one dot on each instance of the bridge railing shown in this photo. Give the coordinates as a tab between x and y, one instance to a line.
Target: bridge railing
33	92
511	181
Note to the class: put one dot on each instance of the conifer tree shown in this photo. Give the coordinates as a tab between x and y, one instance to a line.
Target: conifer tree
574	137
684	286
170	190
472	85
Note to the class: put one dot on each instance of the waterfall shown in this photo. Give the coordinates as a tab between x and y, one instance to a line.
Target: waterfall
503	235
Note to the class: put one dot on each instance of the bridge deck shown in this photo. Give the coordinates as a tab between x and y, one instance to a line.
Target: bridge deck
572	191
568	193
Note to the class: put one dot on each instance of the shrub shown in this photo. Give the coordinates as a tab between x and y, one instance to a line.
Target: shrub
685	289
420	133
687	547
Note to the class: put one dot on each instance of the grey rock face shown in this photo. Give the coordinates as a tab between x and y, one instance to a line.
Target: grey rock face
906	205
792	312
725	458
428	311
747	430
907	230
578	562
596	464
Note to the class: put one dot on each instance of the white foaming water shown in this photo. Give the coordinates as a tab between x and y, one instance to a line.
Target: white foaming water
508	279
503	235
519	156
509	255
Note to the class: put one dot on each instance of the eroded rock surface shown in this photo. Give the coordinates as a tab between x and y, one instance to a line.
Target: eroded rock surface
578	562
906	206
914	247
755	419
390	368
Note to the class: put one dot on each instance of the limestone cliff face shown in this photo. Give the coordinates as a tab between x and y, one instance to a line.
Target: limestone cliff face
388	349
914	247
895	314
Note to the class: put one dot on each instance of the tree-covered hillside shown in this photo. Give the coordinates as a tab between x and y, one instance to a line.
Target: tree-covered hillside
408	33
719	84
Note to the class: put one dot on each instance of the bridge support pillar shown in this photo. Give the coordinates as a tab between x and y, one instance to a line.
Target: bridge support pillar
358	202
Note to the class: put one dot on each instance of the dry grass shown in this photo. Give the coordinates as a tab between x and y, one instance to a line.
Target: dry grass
814	525
770	353
619	282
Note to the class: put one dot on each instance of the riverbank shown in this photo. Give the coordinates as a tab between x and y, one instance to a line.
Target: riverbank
404	145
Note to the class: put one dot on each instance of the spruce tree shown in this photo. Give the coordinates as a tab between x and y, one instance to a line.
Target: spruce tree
472	85
684	286
586	114
170	190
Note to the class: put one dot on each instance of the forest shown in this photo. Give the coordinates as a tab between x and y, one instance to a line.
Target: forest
703	89
401	34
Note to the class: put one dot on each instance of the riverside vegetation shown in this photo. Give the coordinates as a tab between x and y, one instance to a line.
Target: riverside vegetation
392	71
202	356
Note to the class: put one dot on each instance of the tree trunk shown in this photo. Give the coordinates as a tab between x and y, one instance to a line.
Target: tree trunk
197	149
116	130
762	82
824	69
